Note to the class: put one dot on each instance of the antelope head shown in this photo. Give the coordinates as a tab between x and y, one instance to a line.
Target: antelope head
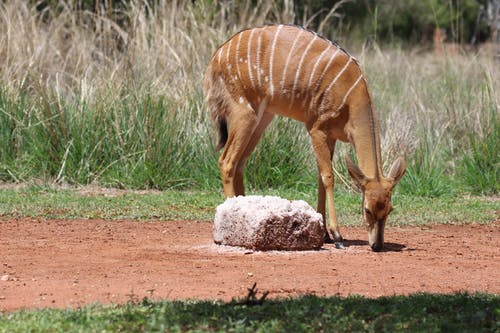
376	198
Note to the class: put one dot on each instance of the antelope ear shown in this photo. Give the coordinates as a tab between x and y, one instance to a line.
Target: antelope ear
397	171
356	174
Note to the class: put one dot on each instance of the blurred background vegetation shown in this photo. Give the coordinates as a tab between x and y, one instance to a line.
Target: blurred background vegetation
409	21
110	92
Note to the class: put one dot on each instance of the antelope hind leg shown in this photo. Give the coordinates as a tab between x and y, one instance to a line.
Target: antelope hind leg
241	122
254	140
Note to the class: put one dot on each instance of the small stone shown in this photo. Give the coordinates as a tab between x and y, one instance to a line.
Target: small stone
5	277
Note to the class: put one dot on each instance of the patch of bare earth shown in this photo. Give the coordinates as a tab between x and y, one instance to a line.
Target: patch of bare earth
70	263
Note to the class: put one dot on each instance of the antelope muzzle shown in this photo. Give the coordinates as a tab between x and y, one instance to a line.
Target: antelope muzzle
376	235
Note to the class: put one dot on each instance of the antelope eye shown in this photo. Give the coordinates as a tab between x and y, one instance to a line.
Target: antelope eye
368	212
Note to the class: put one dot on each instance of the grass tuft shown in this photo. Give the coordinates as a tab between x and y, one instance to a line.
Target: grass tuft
480	167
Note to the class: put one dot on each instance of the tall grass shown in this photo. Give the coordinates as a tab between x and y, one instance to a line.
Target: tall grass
433	110
480	167
87	98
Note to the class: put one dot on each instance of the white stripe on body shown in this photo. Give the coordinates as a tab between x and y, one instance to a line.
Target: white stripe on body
219	55
283	76
315	67
250	74
349	92
259	45
237	54
271	59
338	75
325	70
295	82
228	64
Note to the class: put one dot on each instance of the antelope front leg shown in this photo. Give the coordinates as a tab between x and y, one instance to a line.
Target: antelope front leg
321	206
324	153
322	194
337	237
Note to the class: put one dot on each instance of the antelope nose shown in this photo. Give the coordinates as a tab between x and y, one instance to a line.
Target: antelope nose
377	247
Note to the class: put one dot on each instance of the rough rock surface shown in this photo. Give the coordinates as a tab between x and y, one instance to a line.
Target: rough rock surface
268	223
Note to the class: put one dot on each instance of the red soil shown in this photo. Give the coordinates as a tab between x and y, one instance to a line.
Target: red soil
70	263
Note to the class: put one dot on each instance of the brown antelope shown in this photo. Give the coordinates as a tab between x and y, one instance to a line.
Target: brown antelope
441	47
293	72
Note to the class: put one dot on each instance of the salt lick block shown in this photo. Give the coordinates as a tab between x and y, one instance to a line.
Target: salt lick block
268	223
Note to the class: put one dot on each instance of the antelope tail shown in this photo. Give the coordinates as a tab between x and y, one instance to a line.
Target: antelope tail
218	117
222	127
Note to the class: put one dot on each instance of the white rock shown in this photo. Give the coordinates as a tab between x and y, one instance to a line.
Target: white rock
268	223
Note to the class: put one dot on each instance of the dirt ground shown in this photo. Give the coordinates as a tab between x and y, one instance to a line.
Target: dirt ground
71	263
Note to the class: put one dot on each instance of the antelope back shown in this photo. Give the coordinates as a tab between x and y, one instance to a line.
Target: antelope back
301	72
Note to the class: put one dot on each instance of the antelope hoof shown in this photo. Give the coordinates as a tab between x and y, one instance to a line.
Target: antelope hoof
339	245
328	239
338	241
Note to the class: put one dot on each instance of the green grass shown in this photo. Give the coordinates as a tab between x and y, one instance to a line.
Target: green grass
63	204
414	313
134	142
200	205
480	167
425	176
